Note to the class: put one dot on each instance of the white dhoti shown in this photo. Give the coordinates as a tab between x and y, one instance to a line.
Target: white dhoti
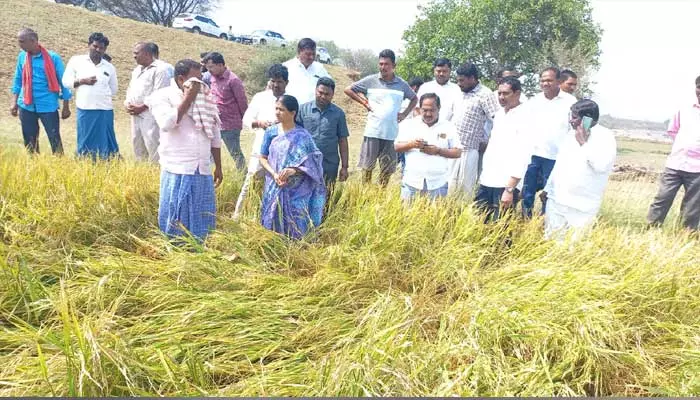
464	172
145	137
559	220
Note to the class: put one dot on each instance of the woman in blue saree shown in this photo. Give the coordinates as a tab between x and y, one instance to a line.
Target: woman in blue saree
295	193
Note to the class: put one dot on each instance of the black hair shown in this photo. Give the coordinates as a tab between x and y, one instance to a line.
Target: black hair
513	82
290	103
697	81
565	74
387	53
183	67
415	82
556	71
502	71
278	71
99	38
429	96
306	44
468	70
586	108
327	82
214	57
441	62
152	48
203	54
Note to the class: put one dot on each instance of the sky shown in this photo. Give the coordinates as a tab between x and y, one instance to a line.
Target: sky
649	57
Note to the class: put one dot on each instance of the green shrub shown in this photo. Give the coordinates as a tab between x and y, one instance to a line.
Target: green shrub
256	70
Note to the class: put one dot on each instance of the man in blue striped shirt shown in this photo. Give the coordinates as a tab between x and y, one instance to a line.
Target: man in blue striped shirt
41	103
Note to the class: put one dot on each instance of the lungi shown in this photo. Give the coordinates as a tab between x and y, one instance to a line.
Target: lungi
96	136
187	204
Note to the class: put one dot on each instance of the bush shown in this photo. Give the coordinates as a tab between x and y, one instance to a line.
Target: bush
256	70
363	61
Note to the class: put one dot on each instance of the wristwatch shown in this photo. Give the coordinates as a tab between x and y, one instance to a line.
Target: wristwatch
509	189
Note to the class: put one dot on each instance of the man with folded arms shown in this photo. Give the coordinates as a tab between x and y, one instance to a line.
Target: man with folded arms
149	75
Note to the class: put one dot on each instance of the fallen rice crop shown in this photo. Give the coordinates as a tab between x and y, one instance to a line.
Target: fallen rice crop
387	300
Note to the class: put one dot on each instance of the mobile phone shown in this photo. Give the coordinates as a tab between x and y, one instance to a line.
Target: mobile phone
587	122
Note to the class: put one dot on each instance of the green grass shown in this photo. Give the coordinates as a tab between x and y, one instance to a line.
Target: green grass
386	301
642	153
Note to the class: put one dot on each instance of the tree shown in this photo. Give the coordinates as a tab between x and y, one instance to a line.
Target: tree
364	61
89	4
160	12
330	45
522	34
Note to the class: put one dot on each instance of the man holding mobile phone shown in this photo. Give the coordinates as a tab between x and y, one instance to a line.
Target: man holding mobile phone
574	190
428	143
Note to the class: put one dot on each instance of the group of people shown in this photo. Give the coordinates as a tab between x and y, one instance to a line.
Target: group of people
459	138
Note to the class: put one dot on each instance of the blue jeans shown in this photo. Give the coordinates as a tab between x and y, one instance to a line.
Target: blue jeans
489	200
232	140
408	192
535	179
30	129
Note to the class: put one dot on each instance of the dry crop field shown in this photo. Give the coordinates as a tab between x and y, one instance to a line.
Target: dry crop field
388	300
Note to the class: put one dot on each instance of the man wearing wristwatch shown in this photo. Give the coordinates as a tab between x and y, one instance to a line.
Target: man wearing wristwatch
507	155
428	143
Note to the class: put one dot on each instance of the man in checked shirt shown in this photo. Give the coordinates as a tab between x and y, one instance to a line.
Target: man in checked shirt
476	105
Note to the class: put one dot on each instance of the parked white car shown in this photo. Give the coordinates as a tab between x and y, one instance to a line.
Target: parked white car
264	37
199	24
323	56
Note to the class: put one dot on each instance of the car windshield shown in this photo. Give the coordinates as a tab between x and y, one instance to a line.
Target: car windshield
259	33
183	16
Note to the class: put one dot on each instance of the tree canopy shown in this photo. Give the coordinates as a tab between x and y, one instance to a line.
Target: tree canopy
523	34
161	12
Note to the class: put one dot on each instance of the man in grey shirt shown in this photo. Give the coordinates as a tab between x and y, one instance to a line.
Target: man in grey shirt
382	94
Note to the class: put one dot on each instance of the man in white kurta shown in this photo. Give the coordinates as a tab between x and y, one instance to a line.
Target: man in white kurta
574	190
304	72
449	92
149	75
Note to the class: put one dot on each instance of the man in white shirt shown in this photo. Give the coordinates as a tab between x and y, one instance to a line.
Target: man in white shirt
156	53
568	81
428	142
548	122
574	190
506	157
94	81
448	92
187	198
259	116
148	76
304	72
